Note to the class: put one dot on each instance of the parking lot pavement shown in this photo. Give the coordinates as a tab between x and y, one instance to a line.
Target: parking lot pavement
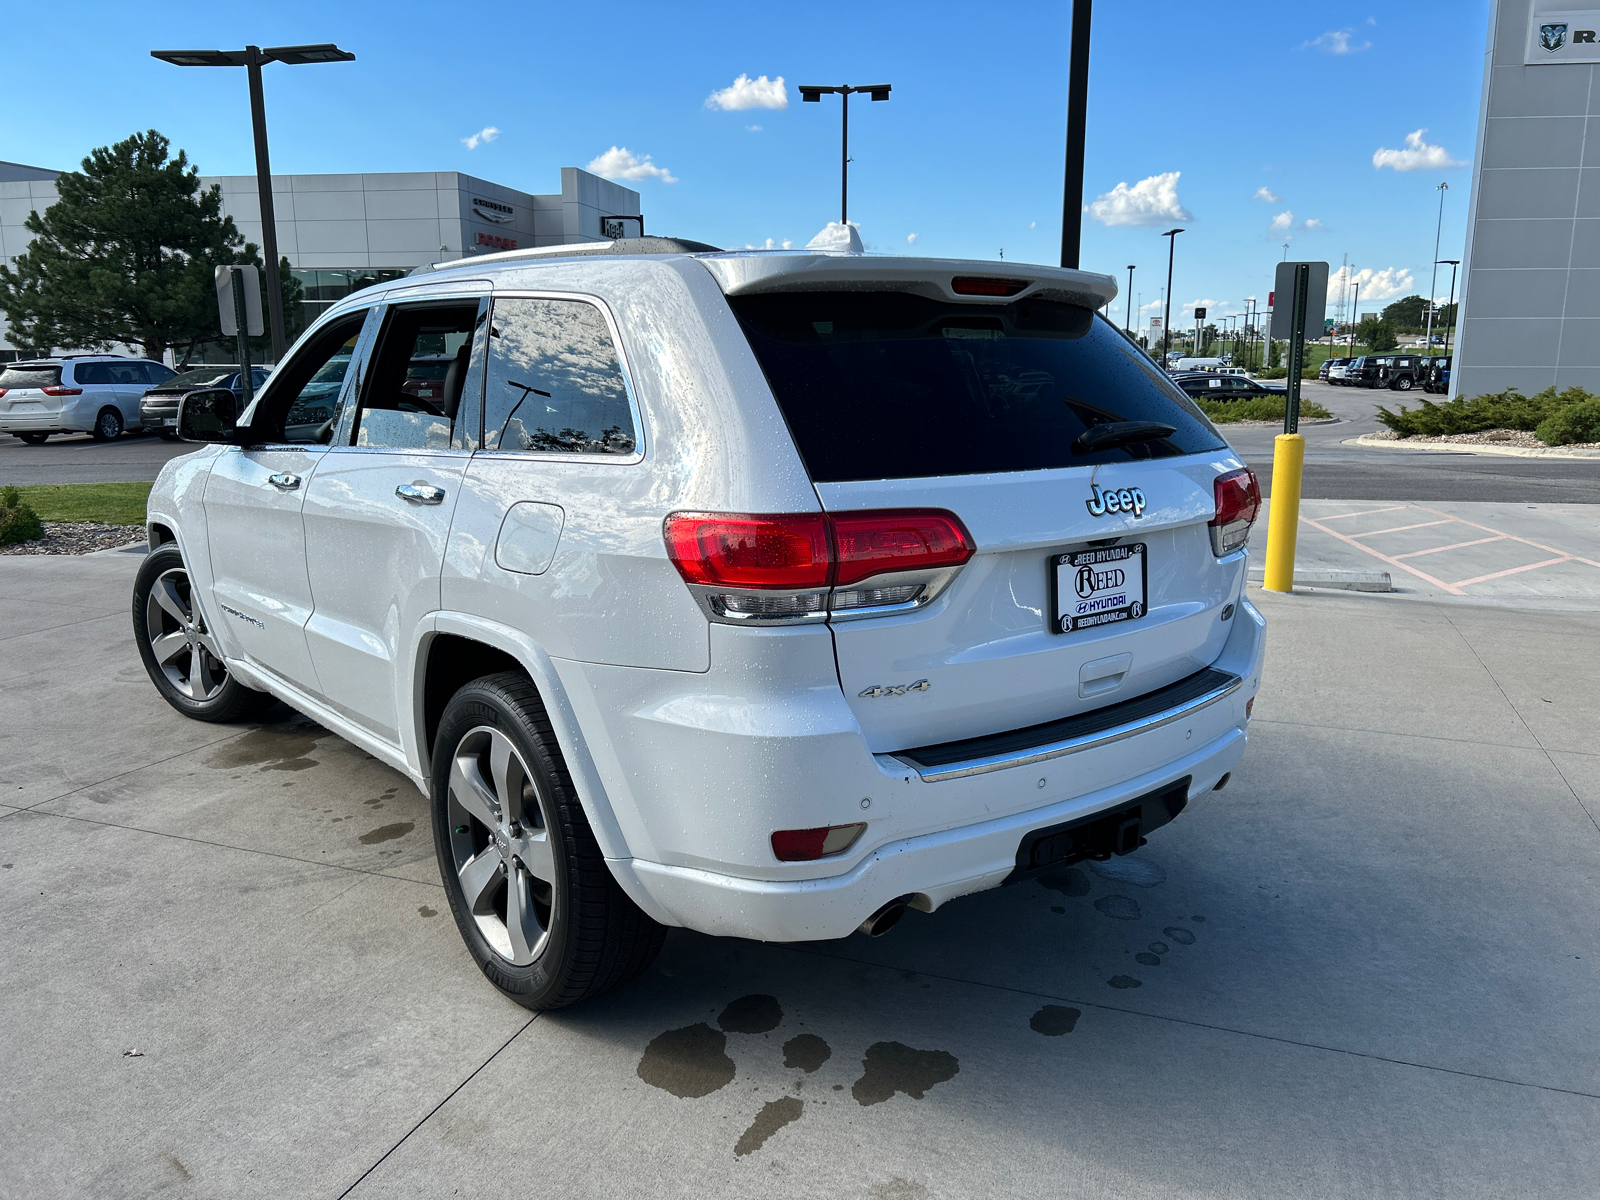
78	458
1365	968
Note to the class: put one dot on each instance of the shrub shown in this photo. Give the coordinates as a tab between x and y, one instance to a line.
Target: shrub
1498	410
1578	422
1259	408
18	522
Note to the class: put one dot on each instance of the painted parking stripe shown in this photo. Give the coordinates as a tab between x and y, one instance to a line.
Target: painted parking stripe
1499	537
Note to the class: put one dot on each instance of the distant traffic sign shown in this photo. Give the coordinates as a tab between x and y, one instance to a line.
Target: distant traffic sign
1316	298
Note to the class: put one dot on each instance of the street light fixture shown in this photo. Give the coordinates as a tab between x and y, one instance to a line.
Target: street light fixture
1449	324
253	58
1433	284
1166	324
812	94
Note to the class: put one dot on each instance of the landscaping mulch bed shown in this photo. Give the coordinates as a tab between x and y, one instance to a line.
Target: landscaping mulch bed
78	537
1521	439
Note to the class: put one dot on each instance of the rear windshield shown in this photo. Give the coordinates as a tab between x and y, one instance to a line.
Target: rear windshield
30	377
887	385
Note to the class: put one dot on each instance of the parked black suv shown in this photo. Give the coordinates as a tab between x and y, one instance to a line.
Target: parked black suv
1436	376
1397	372
1226	387
158	407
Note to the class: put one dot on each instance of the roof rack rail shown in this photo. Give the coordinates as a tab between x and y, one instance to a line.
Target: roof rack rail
616	247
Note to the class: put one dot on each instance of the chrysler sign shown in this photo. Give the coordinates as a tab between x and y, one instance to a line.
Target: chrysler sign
492	210
1568	36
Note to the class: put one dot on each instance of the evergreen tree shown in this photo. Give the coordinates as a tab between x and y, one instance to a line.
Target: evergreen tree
126	254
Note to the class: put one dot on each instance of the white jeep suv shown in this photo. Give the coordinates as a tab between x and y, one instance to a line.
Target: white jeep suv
763	594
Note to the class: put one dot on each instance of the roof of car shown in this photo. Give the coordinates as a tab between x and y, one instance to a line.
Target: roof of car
748	272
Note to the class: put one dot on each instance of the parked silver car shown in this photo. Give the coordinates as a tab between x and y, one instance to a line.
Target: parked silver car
80	393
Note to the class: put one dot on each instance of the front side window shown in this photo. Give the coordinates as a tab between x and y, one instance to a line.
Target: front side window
305	399
554	381
418	376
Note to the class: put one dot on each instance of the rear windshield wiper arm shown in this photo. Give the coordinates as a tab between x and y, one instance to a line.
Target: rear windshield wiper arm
1120	433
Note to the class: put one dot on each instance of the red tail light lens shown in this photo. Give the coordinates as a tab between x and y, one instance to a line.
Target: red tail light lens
1238	496
738	550
871	543
975	285
804	845
58	390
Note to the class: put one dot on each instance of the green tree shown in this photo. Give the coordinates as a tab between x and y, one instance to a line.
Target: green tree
1378	335
1408	313
126	254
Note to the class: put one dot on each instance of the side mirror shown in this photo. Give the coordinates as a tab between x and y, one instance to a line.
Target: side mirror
211	415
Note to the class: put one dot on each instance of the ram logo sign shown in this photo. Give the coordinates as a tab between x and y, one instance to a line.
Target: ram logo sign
1563	37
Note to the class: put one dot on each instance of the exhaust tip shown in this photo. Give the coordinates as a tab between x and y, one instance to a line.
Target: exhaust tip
885	919
1223	782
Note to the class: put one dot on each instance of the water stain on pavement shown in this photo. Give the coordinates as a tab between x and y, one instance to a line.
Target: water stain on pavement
689	1062
386	833
1145	958
1157	947
271	748
899	1188
1178	934
774	1115
1119	908
1136	872
424	911
1053	1020
752	1014
1124	981
1071	882
806	1051
891	1067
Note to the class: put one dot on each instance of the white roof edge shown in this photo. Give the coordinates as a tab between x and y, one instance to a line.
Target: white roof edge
749	274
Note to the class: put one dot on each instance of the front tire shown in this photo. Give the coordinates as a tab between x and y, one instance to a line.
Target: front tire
107	425
180	654
535	902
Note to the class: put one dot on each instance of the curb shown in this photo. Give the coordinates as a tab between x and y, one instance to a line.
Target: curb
1350	581
1372	443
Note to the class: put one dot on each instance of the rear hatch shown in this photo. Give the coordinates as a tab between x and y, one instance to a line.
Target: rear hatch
24	386
899	400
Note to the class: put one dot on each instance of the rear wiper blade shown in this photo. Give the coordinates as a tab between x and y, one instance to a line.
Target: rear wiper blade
1120	433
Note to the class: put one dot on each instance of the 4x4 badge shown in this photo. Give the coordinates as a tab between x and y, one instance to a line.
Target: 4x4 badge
1128	500
873	693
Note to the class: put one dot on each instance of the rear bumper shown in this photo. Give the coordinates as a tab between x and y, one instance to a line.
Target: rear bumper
698	783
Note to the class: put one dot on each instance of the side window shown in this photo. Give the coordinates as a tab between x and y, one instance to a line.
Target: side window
303	403
127	372
554	382
418	375
155	372
91	372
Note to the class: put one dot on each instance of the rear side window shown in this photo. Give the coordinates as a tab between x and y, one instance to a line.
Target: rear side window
888	385
555	384
30	377
91	372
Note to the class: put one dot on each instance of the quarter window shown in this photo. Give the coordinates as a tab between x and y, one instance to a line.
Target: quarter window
554	381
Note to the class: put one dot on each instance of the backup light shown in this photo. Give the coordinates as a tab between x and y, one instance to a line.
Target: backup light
807	845
1238	496
975	285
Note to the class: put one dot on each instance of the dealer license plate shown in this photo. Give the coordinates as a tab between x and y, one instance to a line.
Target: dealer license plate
170	422
1098	587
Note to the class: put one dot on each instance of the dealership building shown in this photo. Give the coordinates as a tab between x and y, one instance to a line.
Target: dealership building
1530	309
341	233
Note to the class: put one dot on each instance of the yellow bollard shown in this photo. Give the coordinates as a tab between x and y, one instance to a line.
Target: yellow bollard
1288	461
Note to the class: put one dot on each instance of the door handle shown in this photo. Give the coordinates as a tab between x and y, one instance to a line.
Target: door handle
284	481
420	493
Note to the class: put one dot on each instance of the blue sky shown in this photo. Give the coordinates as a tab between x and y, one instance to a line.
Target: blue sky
1208	110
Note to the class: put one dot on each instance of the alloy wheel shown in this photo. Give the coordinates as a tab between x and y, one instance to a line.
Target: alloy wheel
184	649
500	845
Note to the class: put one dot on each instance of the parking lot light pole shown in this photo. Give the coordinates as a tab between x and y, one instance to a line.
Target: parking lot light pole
812	94
1451	320
1433	283
1166	323
1077	122
1128	303
252	59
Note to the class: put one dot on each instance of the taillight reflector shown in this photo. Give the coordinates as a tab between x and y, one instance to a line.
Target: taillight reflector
1238	497
58	390
804	845
977	285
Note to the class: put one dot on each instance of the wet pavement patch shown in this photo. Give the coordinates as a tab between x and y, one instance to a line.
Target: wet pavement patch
891	1067
774	1115
1071	882
1178	934
271	748
806	1051
386	833
1053	1020
752	1014
1145	958
424	911
1136	872
1120	908
689	1062
1124	981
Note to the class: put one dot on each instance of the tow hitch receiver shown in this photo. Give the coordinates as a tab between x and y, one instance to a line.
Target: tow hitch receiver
1120	831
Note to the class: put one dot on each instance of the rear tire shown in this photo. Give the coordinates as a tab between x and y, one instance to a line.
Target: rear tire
535	902
33	439
180	655
107	425
1403	383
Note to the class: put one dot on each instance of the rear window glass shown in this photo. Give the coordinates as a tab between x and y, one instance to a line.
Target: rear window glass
30	377
887	385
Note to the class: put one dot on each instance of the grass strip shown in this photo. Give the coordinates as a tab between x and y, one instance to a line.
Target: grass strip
107	503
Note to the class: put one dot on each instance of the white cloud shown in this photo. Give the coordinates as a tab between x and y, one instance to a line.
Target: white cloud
487	134
1033	224
771	244
1415	156
621	163
752	129
745	92
1313	223
1283	220
1338	41
1152	201
1388	284
1267	194
911	239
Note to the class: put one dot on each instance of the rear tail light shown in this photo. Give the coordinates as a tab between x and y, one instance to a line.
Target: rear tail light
58	390
3	391
1238	503
974	285
805	845
801	566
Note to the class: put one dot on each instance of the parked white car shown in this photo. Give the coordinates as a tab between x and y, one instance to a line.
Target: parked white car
763	594
80	393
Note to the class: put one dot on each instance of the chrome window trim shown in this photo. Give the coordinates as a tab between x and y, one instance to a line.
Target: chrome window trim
1087	741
